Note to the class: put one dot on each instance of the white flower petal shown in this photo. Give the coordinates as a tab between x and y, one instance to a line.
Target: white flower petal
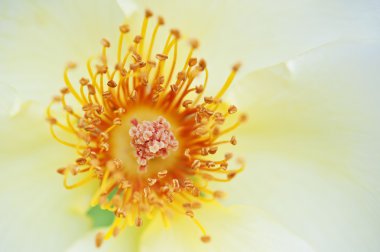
128	240
327	209
10	102
261	33
238	228
128	7
39	37
312	144
37	212
320	106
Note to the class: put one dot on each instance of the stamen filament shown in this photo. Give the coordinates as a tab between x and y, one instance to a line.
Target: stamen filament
226	85
70	86
77	184
153	38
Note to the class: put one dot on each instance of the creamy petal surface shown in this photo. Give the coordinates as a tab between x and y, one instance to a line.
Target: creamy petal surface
39	37
313	140
37	211
129	240
241	228
261	33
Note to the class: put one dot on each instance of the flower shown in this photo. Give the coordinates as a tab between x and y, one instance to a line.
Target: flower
310	150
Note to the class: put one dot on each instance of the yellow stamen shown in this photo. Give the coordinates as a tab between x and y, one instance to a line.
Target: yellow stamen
153	38
77	184
228	82
70	86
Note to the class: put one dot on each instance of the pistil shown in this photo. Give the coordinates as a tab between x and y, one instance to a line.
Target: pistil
151	140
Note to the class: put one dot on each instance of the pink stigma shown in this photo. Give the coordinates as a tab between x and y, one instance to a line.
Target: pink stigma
151	140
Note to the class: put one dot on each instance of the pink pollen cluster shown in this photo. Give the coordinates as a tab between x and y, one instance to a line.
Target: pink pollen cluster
151	140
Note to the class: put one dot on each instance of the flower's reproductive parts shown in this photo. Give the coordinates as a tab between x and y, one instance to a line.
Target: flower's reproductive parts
144	131
151	140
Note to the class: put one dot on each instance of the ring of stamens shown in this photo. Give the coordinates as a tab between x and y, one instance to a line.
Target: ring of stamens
102	103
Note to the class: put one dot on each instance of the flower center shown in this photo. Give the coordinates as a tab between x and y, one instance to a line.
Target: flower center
151	140
148	136
137	149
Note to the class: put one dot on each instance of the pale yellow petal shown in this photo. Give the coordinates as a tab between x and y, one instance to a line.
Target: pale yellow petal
10	102
261	33
128	240
236	228
39	37
311	145
37	212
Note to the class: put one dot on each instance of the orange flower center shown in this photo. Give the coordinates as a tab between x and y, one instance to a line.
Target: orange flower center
145	131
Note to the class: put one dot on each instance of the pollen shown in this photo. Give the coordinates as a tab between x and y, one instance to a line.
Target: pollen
144	130
151	140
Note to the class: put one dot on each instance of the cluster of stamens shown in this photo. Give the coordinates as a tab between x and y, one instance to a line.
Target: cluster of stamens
187	126
152	140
